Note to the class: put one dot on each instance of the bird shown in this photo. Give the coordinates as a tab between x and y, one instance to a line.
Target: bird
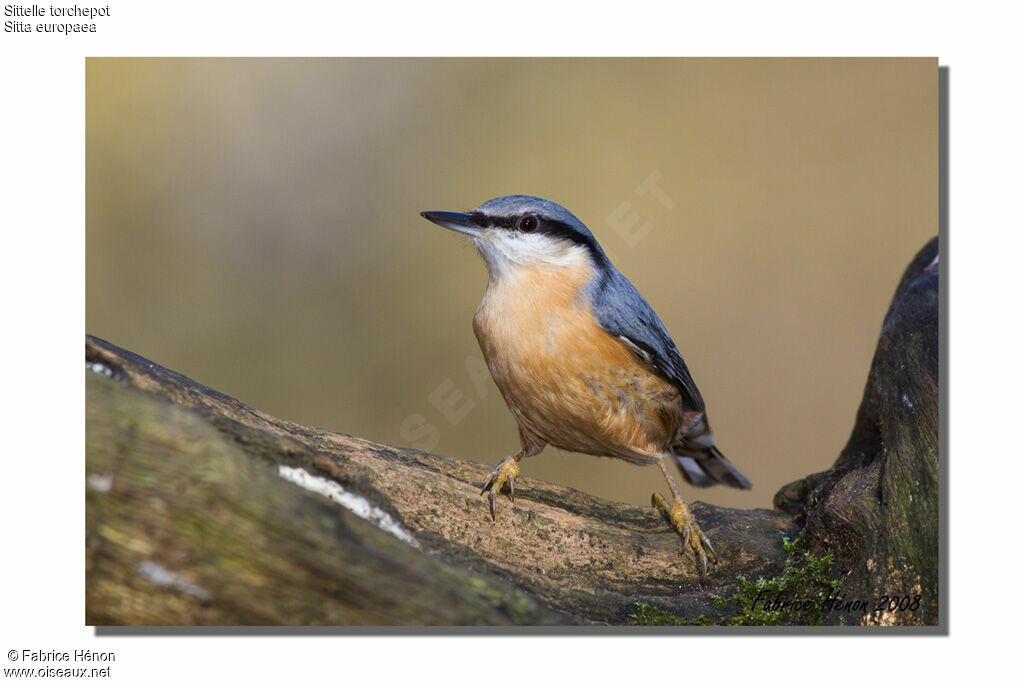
581	359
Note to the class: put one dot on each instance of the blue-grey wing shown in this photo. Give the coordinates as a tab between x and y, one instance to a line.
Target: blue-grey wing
622	312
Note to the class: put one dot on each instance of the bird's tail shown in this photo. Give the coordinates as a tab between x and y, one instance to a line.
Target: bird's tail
701	463
709	467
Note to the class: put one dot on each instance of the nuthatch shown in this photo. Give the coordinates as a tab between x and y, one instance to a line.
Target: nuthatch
582	360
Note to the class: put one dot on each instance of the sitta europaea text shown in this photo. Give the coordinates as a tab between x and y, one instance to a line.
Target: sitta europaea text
582	360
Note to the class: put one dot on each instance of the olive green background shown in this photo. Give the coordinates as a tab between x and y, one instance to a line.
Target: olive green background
253	223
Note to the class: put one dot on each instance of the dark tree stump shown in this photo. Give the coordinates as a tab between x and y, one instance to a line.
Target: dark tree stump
877	509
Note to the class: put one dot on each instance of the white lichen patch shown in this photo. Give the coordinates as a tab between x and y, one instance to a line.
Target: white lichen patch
100	369
907	402
100	482
162	576
351	501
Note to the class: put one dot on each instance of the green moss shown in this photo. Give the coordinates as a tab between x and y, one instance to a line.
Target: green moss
649	615
704	620
795	597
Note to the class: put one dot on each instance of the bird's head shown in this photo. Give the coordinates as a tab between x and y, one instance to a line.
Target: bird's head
521	231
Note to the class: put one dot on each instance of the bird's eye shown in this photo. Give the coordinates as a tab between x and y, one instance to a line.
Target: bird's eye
528	223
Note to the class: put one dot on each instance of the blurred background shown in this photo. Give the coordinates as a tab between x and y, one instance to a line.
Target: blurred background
253	224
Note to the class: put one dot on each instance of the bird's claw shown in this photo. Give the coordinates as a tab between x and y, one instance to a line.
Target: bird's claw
505	474
680	517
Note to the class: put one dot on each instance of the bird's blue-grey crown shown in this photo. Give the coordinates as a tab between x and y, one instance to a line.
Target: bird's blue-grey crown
523	213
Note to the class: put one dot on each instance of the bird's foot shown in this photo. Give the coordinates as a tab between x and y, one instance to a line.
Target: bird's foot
504	475
680	517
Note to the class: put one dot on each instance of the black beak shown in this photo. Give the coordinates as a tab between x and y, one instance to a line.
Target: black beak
459	222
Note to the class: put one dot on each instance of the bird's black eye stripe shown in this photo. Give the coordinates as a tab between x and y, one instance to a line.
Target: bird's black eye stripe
531	222
559	229
483	220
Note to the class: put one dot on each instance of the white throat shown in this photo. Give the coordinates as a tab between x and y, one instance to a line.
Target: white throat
506	253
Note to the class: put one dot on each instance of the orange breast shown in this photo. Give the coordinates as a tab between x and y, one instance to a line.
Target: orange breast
565	379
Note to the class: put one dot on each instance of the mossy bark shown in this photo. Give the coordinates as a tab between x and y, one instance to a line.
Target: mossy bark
193	517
